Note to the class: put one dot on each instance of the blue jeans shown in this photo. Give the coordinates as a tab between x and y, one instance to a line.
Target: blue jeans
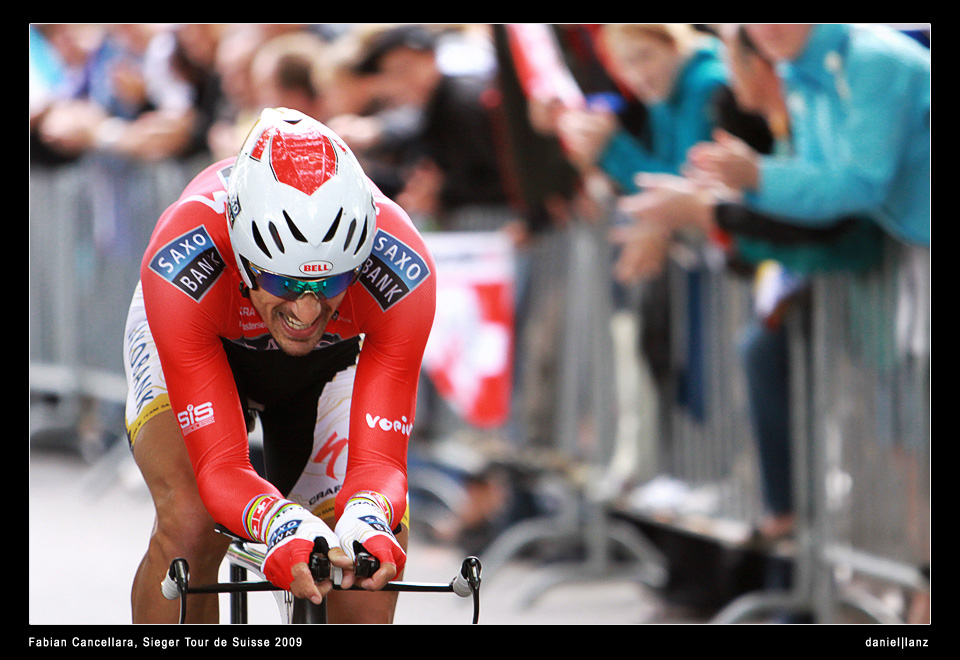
764	352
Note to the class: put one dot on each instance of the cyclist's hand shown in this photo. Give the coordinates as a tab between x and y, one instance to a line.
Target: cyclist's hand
290	540
365	523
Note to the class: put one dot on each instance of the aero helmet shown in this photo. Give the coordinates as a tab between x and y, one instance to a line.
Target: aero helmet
298	203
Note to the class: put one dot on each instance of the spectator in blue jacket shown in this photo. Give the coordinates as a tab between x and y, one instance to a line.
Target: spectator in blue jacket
859	103
784	254
675	71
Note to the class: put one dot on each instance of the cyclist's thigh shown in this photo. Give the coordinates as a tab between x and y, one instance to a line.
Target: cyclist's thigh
162	457
152	429
146	384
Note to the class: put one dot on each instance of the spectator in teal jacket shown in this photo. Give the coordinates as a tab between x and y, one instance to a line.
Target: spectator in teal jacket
675	71
859	103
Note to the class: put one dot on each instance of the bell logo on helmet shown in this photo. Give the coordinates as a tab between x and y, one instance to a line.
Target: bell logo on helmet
316	268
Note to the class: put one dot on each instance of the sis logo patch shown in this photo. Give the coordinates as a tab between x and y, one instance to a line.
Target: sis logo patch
392	271
190	262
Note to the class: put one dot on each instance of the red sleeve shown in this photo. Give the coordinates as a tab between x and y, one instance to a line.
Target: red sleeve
190	288
395	304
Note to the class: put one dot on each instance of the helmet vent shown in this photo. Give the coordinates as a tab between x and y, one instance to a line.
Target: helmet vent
260	242
363	237
293	229
333	228
276	237
353	228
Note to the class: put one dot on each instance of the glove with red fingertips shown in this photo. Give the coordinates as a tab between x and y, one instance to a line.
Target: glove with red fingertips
365	521
289	534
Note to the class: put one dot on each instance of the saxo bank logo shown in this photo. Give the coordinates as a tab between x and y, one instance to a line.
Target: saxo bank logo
392	271
190	262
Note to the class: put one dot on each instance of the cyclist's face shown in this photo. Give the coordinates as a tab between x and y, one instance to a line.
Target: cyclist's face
298	325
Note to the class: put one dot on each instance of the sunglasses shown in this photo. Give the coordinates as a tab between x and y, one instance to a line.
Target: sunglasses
291	288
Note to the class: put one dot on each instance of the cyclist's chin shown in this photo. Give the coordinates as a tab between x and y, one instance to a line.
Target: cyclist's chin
297	342
296	347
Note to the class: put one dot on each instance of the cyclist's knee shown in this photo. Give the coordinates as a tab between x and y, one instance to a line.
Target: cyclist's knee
184	528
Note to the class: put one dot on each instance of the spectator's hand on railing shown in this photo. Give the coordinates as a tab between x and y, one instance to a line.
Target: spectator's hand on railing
644	252
670	202
129	84
362	133
727	160
156	135
70	127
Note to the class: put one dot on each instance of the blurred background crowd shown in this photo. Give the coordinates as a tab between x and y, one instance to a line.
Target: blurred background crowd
719	237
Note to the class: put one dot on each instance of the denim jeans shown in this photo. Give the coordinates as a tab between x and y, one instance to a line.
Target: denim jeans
764	352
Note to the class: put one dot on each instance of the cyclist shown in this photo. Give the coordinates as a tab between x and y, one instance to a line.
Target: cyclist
281	285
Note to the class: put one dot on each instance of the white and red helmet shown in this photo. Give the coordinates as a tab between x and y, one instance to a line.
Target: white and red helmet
298	202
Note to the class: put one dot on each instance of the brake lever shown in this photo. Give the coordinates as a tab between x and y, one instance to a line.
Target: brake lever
365	564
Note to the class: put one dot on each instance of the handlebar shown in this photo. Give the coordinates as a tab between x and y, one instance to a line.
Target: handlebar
466	583
364	564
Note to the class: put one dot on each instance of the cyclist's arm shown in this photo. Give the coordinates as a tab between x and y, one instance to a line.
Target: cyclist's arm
204	398
385	390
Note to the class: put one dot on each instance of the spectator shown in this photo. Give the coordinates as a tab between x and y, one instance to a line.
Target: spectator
675	71
770	243
60	57
284	75
451	161
145	96
349	94
859	102
193	63
377	130
240	107
860	97
672	69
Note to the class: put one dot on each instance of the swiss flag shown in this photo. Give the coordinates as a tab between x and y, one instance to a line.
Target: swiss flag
469	355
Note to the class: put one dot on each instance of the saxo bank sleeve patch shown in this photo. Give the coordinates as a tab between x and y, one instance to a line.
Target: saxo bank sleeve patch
392	271
190	262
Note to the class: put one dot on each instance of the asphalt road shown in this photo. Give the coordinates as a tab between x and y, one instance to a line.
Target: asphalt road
89	525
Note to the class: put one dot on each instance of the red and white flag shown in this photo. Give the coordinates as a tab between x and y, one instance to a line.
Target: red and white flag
469	356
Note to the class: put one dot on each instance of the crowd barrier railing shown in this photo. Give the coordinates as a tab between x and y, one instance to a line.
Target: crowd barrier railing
89	222
572	381
862	446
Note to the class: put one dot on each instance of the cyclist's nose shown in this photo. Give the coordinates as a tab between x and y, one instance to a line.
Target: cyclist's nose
307	307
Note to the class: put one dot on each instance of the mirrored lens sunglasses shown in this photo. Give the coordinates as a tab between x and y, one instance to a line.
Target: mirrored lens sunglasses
291	288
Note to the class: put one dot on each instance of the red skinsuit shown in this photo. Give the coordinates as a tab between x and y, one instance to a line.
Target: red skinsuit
193	298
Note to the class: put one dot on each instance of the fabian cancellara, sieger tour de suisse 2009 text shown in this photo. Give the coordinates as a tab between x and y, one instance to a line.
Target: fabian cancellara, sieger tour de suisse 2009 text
158	642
